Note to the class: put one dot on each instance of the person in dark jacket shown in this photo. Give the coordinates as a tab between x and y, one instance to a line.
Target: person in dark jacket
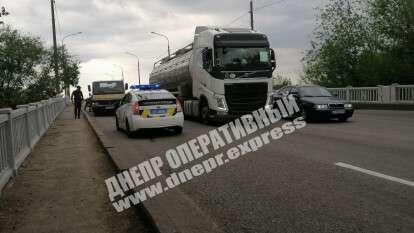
77	98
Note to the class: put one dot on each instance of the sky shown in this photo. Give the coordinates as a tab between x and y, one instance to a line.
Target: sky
110	28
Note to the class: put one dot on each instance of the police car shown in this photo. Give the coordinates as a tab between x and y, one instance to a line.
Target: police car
146	107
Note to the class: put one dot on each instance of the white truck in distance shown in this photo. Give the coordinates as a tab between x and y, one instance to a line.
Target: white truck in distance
225	73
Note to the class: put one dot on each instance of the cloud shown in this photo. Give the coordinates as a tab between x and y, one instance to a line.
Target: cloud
112	27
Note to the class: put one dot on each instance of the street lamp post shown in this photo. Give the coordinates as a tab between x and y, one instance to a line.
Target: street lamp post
122	70
139	73
168	41
64	59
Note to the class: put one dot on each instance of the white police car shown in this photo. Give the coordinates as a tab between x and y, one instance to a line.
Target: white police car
146	107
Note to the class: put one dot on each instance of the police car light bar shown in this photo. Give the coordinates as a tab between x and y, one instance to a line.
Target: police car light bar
146	87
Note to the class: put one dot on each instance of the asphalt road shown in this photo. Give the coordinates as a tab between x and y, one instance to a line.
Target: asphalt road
293	184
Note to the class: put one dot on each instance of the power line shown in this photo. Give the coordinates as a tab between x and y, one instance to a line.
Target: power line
267	5
255	9
237	19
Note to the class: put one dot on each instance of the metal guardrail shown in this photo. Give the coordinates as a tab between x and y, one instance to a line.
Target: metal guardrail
394	94
21	129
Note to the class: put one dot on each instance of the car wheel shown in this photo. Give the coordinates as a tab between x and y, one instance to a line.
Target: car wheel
117	123
343	118
96	113
178	130
305	115
129	133
204	113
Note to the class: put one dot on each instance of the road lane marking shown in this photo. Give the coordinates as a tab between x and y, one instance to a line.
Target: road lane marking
377	174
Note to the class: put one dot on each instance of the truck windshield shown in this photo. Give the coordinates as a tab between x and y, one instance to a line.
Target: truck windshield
243	58
108	87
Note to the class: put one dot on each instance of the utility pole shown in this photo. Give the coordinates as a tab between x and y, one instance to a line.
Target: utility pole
251	15
55	52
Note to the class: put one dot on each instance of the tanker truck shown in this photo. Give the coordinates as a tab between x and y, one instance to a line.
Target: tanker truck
223	74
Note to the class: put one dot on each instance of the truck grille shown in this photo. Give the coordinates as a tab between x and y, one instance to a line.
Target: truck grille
105	102
245	98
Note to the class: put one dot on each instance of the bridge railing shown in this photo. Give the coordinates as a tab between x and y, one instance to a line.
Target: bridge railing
21	129
393	94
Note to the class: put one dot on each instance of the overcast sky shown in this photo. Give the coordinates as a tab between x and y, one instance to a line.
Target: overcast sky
112	27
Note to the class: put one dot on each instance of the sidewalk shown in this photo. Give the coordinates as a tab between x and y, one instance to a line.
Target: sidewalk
61	188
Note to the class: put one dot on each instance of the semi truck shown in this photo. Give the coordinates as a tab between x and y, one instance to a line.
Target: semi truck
105	95
223	74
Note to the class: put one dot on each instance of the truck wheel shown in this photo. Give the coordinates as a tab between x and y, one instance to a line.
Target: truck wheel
96	112
204	113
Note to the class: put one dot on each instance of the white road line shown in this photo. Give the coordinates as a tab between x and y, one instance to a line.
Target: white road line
380	175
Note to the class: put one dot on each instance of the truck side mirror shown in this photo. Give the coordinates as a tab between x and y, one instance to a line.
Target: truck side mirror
207	55
273	59
89	88
126	86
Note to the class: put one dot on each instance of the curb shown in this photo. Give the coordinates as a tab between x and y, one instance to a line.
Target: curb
171	212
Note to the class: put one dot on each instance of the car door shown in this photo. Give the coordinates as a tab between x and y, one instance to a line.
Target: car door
294	91
121	112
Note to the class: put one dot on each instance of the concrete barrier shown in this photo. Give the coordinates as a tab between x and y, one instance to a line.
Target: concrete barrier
21	129
380	95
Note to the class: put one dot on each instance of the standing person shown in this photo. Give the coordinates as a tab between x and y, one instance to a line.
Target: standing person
77	98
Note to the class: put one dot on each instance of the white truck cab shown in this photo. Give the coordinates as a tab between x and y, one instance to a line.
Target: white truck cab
224	73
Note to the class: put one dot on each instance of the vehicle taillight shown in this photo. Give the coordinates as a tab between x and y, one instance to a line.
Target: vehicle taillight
179	108
135	108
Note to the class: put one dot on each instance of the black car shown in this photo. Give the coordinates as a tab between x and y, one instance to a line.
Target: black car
316	102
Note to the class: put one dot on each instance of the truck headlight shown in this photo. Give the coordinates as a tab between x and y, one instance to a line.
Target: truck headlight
221	103
321	107
348	106
270	100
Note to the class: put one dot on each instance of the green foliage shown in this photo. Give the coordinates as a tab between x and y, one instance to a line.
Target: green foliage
362	43
280	81
19	57
26	69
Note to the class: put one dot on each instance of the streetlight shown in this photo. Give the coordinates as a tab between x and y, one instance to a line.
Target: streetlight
168	41
122	70
139	75
63	56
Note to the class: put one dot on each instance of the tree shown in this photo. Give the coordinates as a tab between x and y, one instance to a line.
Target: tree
280	81
362	43
45	84
20	56
69	68
26	69
3	13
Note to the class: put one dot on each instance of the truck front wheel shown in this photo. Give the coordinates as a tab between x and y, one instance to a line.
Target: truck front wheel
204	113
